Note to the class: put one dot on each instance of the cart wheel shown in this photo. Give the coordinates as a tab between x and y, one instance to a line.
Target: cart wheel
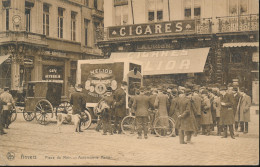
164	126
28	116
86	120
43	111
128	125
13	114
64	107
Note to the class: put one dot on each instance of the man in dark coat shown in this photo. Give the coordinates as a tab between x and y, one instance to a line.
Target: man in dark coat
196	104
2	132
236	100
120	106
79	103
206	116
186	122
226	115
141	105
152	108
173	112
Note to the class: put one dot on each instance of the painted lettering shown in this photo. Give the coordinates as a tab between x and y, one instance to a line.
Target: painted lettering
122	31
179	27
170	65
185	64
148	30
138	30
168	27
158	28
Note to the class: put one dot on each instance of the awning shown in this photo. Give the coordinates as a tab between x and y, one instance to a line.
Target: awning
241	44
168	62
3	58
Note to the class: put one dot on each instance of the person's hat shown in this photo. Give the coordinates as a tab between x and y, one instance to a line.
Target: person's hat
242	89
6	88
188	91
142	89
124	83
204	92
223	88
235	88
230	85
109	89
78	87
174	91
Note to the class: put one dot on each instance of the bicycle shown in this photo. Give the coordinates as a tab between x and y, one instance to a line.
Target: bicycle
128	125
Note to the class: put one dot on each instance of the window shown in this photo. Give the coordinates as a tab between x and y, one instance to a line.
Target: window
238	7
73	26
192	9
28	19
95	4
60	22
86	3
155	10
46	20
121	12
96	26
86	23
7	19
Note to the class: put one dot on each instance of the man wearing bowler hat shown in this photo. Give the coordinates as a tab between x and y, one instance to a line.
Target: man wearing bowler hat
226	115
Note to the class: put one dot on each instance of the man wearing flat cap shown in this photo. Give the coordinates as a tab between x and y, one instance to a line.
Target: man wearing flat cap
226	115
78	101
141	105
120	106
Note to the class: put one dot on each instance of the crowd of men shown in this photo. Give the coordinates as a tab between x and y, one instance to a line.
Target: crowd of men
195	110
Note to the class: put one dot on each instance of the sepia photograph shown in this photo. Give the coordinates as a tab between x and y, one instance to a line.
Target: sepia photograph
129	82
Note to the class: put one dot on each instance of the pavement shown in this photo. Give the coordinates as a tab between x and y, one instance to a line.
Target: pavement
28	143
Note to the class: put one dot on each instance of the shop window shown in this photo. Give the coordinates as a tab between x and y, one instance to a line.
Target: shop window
238	7
46	19
155	10
192	9
121	13
86	23
235	58
73	26
60	22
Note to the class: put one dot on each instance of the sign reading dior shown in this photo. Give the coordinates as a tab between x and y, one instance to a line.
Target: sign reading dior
162	28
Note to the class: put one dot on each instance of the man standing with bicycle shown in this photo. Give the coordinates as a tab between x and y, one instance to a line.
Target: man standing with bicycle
9	102
141	105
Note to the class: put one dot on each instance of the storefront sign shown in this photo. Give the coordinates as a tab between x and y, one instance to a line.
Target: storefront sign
120	2
153	29
255	57
153	46
52	73
168	62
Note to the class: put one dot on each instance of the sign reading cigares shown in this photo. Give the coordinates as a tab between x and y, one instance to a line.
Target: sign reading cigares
153	29
52	72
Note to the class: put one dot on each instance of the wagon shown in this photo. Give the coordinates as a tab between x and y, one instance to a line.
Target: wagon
43	102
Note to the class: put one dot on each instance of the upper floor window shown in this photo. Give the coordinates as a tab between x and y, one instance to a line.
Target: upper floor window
95	4
73	26
121	12
28	19
86	24
86	3
192	9
7	19
46	19
238	7
60	22
155	10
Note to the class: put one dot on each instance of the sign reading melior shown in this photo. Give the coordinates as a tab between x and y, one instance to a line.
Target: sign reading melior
161	28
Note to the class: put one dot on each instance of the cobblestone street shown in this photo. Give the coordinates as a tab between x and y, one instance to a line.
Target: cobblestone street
42	145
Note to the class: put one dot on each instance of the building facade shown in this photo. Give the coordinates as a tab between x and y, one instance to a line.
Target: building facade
43	39
172	34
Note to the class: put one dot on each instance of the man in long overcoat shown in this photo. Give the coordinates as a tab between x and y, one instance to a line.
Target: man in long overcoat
217	108
196	104
120	106
173	112
162	103
79	102
186	122
236	100
206	116
243	111
141	105
227	115
152	112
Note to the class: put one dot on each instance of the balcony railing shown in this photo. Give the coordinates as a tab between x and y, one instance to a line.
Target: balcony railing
238	23
208	26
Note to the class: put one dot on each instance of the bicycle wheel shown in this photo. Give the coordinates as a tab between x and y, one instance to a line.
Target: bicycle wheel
128	125
164	126
86	120
13	114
